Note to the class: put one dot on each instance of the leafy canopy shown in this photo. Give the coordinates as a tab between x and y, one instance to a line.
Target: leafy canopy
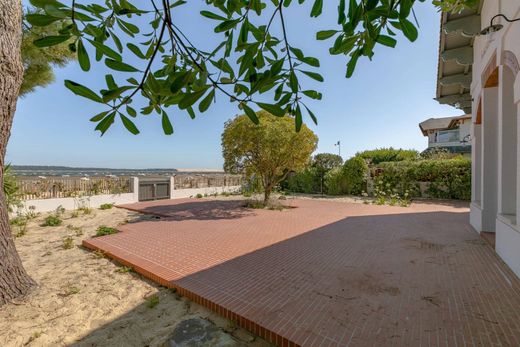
270	149
324	162
38	62
254	64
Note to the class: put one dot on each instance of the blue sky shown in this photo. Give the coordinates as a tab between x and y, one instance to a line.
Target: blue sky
380	106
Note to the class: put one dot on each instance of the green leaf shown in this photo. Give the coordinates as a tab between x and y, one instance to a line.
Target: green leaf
341	12
40	20
50	40
83	91
119	66
409	30
166	125
250	113
212	15
351	65
206	102
226	25
135	50
180	80
293	82
189	99
99	116
311	114
129	125
386	40
317	8
106	123
84	61
314	76
325	34
275	110
314	62
298	119
312	94
131	111
107	51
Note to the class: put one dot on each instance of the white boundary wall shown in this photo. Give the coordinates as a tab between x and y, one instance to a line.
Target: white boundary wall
49	205
186	193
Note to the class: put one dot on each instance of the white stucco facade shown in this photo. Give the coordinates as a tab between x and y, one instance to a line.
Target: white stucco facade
495	91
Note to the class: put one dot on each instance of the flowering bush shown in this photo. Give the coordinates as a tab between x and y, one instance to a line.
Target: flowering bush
447	179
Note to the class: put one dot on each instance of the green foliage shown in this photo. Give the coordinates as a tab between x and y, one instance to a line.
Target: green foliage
104	230
39	62
433	153
382	155
335	182
324	162
448	179
152	301
67	242
106	206
355	172
386	195
312	179
269	150
349	179
306	181
251	54
78	231
11	188
52	221
199	196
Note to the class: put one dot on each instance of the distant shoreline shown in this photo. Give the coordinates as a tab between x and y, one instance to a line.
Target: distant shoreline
65	171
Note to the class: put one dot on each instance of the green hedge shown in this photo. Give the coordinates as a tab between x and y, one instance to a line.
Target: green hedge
351	178
449	179
381	155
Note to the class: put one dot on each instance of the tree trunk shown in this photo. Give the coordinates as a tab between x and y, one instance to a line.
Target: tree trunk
14	281
267	195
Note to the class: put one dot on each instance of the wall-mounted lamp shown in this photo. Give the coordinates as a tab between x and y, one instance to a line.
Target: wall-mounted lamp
466	140
496	27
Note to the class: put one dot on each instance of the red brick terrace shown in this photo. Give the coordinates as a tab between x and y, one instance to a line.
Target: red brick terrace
330	273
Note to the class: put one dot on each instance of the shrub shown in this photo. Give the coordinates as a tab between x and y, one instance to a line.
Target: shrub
78	231
59	210
433	153
306	181
51	221
152	301
382	155
68	242
448	179
355	171
11	188
335	182
199	196
106	206
104	230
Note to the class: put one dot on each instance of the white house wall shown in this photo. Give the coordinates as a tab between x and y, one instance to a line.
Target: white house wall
497	211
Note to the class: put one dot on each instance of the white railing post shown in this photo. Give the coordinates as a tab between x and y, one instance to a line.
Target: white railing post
135	184
172	186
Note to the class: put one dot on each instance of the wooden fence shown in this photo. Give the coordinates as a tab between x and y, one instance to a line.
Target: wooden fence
31	188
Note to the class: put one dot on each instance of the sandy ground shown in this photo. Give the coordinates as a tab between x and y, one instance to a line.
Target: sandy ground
84	299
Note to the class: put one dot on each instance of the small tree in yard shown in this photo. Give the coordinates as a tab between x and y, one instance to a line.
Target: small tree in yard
270	149
324	162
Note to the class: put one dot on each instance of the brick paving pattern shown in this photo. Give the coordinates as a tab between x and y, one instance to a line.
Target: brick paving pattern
330	273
